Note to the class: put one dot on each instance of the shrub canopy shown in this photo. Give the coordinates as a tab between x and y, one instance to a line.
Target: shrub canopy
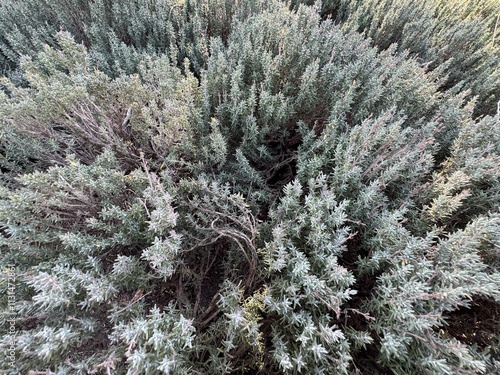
242	187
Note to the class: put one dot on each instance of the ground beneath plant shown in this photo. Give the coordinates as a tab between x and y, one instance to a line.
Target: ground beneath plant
479	324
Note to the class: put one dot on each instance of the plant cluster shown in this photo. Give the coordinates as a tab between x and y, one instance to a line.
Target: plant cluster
248	187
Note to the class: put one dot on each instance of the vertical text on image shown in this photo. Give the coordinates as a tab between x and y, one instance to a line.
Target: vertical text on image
11	300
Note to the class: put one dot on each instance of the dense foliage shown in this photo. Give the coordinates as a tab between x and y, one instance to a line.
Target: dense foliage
249	187
459	36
